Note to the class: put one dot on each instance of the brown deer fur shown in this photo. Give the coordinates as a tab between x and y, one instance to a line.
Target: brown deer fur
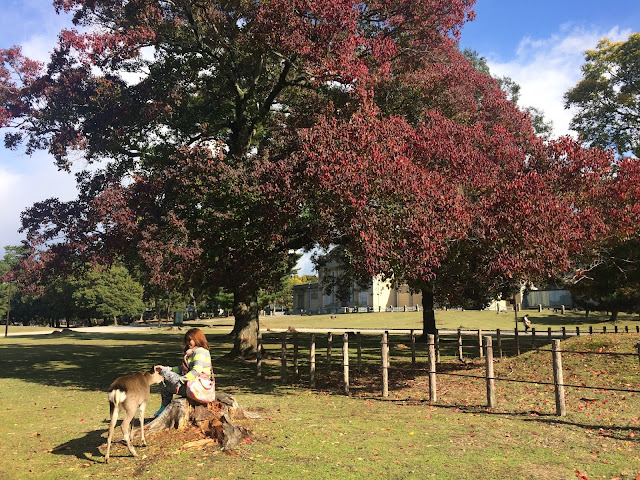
130	393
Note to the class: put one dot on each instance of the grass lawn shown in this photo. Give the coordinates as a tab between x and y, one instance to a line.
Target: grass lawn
452	319
53	420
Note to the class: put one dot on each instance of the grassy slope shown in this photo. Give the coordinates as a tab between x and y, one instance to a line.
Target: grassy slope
54	413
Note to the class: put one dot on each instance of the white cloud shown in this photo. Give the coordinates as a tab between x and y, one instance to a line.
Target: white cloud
34	25
546	68
305	266
39	47
36	180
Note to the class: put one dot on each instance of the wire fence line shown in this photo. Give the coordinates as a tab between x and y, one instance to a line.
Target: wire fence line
485	350
535	382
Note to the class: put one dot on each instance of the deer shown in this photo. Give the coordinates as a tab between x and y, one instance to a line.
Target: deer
130	392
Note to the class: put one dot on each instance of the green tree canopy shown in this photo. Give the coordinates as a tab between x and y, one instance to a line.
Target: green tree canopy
607	98
11	256
107	293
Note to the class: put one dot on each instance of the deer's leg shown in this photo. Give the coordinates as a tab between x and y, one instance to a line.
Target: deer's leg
143	405
126	429
112	424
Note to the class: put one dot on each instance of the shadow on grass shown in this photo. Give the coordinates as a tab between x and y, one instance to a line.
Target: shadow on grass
85	447
85	361
616	432
88	446
91	361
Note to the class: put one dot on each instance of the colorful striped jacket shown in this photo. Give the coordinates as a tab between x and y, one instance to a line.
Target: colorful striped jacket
198	362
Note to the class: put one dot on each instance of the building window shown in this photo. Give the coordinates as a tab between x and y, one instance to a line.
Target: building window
364	298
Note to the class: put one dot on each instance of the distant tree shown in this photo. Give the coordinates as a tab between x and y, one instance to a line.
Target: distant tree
52	302
340	278
607	98
9	288
613	285
220	302
107	293
88	294
305	279
282	298
608	277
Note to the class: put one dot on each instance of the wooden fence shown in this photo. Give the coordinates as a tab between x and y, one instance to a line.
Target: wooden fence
484	348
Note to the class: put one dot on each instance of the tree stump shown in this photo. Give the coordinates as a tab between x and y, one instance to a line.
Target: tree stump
215	419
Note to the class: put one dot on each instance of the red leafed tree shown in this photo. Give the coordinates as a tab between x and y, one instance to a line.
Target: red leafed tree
15	71
443	184
188	113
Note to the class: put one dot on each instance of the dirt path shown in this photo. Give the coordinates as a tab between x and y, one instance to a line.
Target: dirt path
134	327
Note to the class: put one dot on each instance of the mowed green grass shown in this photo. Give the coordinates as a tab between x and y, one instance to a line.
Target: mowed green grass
452	320
53	415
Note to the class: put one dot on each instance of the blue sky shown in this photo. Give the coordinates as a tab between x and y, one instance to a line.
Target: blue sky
537	43
501	25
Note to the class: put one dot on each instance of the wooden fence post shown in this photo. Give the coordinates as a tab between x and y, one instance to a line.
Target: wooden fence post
259	356
590	329
480	352
312	361
558	379
345	362
491	384
437	342
432	369
533	338
359	350
329	348
413	349
638	348
517	339
626	329
385	363
549	333
615	329
604	329
283	357
499	341
460	355
577	331
295	354
564	333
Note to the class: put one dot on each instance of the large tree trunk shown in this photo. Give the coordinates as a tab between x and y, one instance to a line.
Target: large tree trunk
247	324
614	316
428	315
195	305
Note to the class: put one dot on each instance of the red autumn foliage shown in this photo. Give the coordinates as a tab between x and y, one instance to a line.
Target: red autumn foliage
228	134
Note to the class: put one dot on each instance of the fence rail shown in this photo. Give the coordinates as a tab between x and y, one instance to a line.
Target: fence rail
484	348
